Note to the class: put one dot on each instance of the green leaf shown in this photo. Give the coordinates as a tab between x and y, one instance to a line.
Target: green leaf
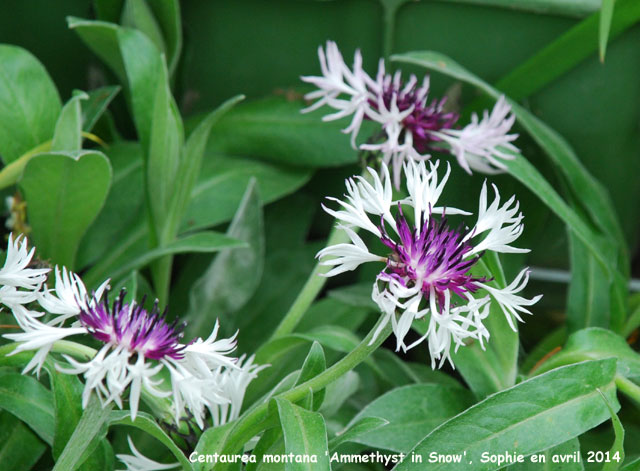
68	132
268	439
211	441
412	412
29	103
606	15
147	424
274	129
200	242
167	13
617	449
338	391
532	416
67	401
314	364
595	344
27	399
20	448
64	193
96	104
233	275
592	194
102	38
567	450
86	437
305	435
359	427
136	14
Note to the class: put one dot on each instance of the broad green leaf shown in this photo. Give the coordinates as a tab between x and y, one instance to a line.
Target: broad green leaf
337	393
20	448
305	435
555	459
29	103
233	275
532	416
356	429
314	364
167	13
96	104
268	439
136	14
27	399
333	312
102	38
397	372
274	129
148	424
200	242
67	401
606	16
594	344
591	193
412	412
64	193
86	437
617	449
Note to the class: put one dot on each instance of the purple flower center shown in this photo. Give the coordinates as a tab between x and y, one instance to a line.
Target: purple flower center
424	119
433	257
132	327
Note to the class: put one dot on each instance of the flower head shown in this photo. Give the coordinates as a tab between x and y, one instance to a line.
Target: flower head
413	124
428	268
139	462
19	282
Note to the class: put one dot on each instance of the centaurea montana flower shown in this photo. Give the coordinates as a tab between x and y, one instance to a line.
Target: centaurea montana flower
427	272
136	345
413	124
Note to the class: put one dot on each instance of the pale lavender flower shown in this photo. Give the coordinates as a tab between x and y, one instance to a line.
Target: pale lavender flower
139	462
413	124
427	271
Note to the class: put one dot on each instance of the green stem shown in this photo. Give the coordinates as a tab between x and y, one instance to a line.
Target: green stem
628	388
254	420
310	290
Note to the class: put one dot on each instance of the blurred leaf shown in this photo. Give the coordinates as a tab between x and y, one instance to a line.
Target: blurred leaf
167	13
606	15
590	192
337	392
136	14
274	129
411	412
331	311
554	340
210	442
148	424
568	448
268	439
108	10
233	275
532	416
27	399
61	202
20	448
573	8
594	344
355	430
91	428
617	449
96	104
29	103
304	435
200	242
314	364
67	401
68	132
398	372
102	38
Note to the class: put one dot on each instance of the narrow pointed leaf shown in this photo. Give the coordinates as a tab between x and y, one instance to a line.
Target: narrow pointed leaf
68	132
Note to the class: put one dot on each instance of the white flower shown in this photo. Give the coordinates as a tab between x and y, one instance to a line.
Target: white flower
139	462
15	273
482	144
428	273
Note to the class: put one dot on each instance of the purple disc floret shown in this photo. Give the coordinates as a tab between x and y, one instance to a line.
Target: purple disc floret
134	328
